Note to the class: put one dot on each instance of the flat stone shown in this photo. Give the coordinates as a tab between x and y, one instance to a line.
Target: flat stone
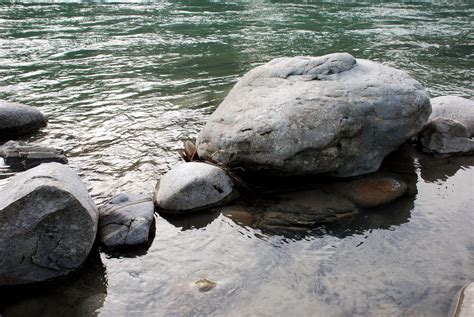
372	192
17	120
22	156
331	114
193	186
126	220
48	224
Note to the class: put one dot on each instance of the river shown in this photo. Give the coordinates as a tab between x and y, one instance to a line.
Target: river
124	83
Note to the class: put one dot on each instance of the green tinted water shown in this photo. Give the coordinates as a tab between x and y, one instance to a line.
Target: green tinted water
123	83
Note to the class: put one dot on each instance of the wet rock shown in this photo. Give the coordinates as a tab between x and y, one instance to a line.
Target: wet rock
464	306
126	220
21	156
372	192
309	115
302	209
455	108
446	136
48	224
193	186
17	120
205	285
239	214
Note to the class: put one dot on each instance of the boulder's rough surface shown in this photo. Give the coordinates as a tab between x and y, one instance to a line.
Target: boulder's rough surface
21	156
193	186
309	115
48	224
126	220
446	136
17	120
372	192
455	108
464	306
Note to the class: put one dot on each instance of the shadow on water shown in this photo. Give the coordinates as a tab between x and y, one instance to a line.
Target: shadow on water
81	294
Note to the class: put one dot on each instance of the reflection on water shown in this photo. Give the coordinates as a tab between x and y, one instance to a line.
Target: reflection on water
122	84
80	295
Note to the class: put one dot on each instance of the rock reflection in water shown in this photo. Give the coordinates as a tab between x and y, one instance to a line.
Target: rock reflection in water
81	294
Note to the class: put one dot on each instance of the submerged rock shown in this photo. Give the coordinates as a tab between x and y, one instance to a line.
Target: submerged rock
239	214
48	224
309	115
193	186
205	285
126	220
372	192
446	136
21	156
17	120
455	108
302	210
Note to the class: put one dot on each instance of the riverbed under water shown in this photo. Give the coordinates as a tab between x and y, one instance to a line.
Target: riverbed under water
124	83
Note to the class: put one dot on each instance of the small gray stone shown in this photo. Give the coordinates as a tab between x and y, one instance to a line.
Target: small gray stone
193	186
22	156
17	120
48	224
446	136
456	108
309	115
126	220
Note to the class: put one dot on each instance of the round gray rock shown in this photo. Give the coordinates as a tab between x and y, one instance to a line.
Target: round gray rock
48	224
193	186
126	220
309	115
17	120
446	136
455	108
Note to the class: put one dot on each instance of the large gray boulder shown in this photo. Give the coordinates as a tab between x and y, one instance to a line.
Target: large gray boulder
455	108
309	115
17	120
126	220
48	224
193	186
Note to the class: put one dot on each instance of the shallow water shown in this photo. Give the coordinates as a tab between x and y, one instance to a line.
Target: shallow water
123	84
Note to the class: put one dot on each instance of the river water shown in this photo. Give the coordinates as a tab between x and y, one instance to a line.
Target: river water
124	83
